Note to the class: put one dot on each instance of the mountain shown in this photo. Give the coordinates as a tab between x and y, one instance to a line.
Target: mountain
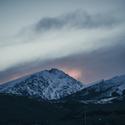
54	84
48	84
101	103
105	91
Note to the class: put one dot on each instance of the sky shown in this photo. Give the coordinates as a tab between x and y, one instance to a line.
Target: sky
84	38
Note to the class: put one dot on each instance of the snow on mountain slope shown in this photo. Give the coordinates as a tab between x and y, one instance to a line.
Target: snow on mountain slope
111	87
47	84
104	91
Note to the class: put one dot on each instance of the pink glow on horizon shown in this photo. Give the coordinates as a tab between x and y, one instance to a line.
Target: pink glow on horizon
74	73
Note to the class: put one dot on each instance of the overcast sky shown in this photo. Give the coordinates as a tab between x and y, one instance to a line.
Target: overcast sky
84	38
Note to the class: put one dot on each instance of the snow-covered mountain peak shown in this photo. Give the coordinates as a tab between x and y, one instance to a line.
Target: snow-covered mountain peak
47	84
53	73
56	71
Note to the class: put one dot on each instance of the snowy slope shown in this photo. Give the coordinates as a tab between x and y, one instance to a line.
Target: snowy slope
104	91
109	88
47	84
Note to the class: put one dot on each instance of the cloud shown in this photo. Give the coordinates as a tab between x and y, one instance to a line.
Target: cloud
99	64
61	37
78	19
57	45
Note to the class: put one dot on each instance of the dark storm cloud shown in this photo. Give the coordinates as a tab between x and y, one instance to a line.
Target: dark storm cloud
99	64
103	63
78	19
96	65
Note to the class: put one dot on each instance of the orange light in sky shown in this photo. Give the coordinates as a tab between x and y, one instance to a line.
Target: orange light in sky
74	73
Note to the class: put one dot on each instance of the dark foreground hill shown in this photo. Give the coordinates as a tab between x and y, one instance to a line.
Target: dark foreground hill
16	110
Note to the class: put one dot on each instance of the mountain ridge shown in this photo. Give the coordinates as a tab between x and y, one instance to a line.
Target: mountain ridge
54	84
105	91
47	84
